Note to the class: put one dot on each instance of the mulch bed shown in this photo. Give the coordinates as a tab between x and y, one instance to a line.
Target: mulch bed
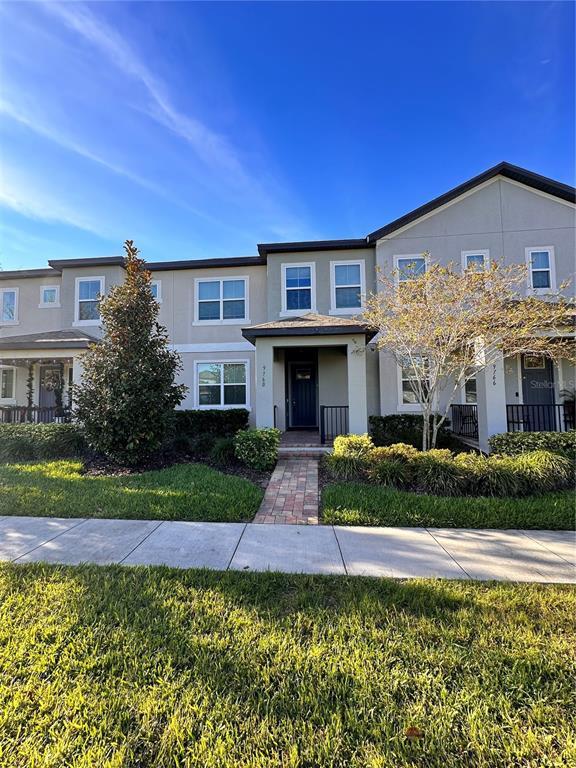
98	466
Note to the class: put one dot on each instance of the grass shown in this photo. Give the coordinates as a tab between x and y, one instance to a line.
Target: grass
156	668
181	492
363	504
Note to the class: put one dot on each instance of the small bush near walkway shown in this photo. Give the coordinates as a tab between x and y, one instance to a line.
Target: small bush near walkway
513	443
364	504
24	442
257	448
158	668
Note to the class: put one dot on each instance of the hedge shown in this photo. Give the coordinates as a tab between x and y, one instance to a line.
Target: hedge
22	442
218	423
407	428
514	443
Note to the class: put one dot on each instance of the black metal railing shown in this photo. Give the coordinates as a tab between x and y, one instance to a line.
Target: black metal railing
333	421
22	414
548	417
464	419
275	416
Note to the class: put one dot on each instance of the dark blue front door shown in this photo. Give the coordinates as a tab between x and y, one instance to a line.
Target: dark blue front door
303	404
538	394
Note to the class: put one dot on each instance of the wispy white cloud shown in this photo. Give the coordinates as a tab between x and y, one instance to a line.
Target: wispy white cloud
212	148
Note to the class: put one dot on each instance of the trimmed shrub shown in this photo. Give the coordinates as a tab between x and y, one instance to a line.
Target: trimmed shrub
489	476
436	472
541	471
219	423
397	451
23	442
406	428
257	448
359	446
344	468
223	451
390	473
514	443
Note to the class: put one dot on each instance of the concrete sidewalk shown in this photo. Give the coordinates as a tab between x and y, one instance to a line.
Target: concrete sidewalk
450	553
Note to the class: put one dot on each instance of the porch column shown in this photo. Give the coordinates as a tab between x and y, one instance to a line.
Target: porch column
491	402
357	396
77	370
264	385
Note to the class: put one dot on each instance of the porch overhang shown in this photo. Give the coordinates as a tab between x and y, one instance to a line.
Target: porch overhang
309	325
46	344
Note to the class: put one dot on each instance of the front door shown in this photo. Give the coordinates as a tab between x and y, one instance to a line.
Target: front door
48	377
538	393
303	398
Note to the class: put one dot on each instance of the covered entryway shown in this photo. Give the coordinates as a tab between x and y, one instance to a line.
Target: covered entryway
538	393
311	374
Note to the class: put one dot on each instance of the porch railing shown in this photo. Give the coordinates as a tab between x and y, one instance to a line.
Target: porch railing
333	421
22	414
464	420
549	417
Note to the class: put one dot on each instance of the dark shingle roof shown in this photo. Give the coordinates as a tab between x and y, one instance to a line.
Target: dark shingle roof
66	339
310	324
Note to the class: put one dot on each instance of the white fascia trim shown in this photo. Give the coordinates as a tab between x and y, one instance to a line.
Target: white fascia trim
232	321
216	347
299	312
334	310
54	305
85	279
248	385
477	252
15	290
552	265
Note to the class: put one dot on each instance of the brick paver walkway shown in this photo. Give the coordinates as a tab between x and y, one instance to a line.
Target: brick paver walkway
292	494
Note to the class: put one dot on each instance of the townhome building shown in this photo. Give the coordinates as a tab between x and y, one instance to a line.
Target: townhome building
281	332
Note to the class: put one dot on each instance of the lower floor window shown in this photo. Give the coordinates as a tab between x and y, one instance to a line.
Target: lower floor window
470	390
6	383
411	374
221	384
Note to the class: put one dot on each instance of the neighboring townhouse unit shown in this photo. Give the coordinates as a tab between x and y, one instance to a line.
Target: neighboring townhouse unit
281	333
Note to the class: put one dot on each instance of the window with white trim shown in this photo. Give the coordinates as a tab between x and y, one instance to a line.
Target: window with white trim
409	376
221	300
540	262
49	296
409	267
9	306
89	291
7	382
347	285
471	390
298	288
156	288
478	261
221	384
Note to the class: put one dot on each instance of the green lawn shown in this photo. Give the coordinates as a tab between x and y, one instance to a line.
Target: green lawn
363	504
181	492
157	668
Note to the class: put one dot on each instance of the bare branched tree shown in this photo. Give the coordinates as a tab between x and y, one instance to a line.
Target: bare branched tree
445	325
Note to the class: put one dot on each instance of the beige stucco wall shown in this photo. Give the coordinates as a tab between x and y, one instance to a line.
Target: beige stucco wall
32	318
321	260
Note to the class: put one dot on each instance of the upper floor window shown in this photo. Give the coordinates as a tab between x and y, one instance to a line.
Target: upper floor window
298	288
478	261
409	267
89	291
7	383
347	286
541	268
9	306
222	385
49	296
221	301
156	288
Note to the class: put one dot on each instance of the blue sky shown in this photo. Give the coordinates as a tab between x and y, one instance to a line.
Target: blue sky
200	129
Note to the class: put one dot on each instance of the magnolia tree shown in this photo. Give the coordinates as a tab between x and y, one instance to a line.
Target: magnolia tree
128	394
445	325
